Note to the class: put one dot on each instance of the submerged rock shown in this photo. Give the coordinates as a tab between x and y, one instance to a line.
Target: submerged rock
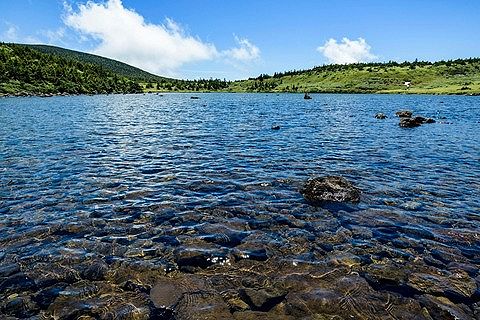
443	308
380	116
21	307
456	285
330	189
262	299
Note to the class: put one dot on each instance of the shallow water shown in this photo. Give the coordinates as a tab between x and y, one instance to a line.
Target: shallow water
127	198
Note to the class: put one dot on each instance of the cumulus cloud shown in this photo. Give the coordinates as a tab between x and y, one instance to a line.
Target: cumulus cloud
245	52
347	51
11	34
124	34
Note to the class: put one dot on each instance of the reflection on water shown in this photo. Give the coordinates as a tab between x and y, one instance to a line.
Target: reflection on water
137	207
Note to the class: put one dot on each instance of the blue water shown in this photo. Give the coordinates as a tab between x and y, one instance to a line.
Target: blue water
143	167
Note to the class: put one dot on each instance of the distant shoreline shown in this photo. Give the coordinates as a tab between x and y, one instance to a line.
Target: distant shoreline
64	94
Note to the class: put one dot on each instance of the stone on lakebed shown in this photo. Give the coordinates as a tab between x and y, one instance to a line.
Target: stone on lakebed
320	190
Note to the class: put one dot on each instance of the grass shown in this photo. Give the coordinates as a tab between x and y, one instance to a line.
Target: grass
461	77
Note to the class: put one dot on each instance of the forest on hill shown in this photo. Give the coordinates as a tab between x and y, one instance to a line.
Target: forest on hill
25	71
112	65
45	70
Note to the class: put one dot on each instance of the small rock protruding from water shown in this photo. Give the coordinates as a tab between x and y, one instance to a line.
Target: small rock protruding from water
380	116
194	97
307	96
404	113
409	122
406	120
275	127
330	189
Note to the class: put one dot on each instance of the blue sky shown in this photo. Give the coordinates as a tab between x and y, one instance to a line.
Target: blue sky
238	39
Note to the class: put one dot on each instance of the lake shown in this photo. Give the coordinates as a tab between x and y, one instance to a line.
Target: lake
166	207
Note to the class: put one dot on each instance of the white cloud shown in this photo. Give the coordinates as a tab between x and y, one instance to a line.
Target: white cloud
245	52
347	51
11	34
123	34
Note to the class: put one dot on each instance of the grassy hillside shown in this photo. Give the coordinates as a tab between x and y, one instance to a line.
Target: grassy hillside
443	77
26	71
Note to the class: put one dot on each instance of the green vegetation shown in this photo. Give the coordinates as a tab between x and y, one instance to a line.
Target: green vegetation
444	77
149	82
202	85
120	68
41	69
27	71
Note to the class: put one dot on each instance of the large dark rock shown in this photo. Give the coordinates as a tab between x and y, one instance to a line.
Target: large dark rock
404	113
409	122
330	189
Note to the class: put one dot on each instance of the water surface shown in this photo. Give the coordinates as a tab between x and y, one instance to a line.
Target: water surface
121	197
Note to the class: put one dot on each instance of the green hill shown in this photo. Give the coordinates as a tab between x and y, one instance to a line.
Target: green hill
114	66
148	81
460	76
25	71
41	69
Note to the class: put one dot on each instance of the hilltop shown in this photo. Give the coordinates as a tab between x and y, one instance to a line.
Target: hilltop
460	76
114	66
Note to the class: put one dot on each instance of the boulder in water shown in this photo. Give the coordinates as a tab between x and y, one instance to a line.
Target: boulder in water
380	116
410	122
330	189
